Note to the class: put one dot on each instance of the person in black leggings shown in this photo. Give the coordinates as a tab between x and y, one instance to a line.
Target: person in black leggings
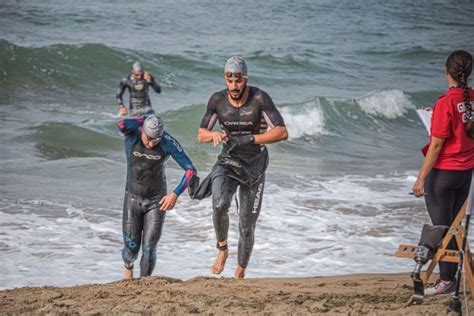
446	174
248	119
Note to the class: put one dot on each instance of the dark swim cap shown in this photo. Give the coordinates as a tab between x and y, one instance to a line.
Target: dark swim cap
153	127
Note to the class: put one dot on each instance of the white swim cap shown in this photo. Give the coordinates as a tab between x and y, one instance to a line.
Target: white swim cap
153	127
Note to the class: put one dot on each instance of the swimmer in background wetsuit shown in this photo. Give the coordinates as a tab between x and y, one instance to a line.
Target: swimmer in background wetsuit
137	83
148	147
248	119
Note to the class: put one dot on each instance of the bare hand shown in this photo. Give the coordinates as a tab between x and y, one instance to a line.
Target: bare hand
218	137
168	202
147	76
418	187
123	111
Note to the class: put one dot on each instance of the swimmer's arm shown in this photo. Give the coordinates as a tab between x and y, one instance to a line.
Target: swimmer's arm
155	85
126	126
276	134
274	120
169	201
184	183
172	147
432	155
209	120
206	136
120	91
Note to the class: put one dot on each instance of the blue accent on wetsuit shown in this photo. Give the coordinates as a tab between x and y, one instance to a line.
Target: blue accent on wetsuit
145	167
142	220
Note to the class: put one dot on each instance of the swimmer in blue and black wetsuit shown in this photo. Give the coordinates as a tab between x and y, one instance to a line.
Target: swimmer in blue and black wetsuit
137	83
249	119
148	147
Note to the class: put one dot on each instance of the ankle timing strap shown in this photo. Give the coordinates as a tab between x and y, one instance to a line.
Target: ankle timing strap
221	248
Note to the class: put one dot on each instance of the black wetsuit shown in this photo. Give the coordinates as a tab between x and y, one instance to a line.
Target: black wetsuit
140	103
244	166
146	184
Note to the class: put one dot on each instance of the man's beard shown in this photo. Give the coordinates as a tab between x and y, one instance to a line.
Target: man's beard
238	97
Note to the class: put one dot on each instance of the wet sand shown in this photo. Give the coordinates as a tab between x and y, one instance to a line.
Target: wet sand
373	294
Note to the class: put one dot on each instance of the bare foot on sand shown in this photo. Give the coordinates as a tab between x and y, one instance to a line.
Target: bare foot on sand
128	274
239	272
219	264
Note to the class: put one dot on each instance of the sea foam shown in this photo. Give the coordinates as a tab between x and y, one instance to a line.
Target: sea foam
387	103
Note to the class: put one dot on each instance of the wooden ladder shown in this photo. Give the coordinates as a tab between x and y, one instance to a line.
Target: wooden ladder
456	231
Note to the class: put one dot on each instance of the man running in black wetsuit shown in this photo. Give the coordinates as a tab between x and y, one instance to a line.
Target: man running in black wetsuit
249	119
146	201
137	83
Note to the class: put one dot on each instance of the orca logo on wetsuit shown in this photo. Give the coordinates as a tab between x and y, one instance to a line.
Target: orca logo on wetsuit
147	156
238	123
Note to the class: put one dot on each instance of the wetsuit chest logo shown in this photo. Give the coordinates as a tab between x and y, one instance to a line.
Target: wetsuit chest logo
147	156
244	123
244	113
139	86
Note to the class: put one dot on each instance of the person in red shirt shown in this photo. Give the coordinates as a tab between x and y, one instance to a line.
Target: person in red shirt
445	176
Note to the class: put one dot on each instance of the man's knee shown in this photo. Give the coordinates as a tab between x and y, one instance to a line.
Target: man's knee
221	205
130	243
148	252
246	231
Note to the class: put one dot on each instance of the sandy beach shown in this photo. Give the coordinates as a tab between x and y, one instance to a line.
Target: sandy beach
372	294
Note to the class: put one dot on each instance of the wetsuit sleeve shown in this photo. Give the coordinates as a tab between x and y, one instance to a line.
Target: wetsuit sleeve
127	126
155	85
121	90
210	117
173	148
270	112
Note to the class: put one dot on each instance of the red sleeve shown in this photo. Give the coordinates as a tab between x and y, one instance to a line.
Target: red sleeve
441	120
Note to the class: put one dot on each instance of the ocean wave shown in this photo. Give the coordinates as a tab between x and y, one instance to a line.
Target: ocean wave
331	117
64	140
304	120
390	104
89	66
416	52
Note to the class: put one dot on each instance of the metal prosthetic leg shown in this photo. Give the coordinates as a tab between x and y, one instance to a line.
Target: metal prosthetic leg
431	237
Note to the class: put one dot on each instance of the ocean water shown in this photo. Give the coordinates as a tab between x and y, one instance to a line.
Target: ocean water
346	76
